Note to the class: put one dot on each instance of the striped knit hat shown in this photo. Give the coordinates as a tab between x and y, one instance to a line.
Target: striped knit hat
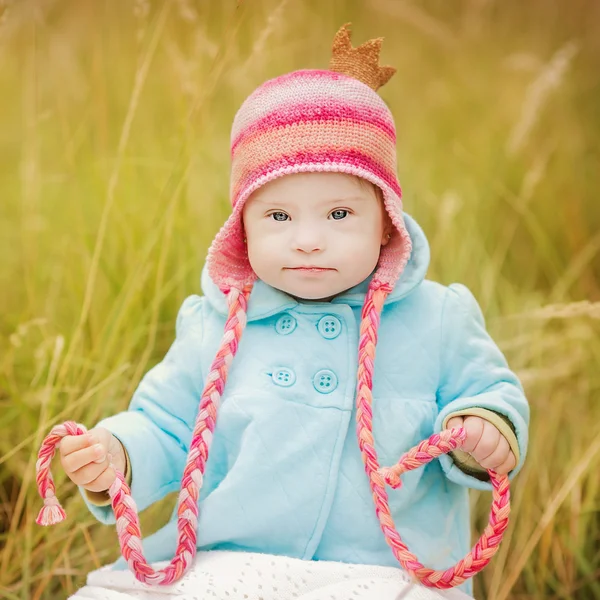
314	120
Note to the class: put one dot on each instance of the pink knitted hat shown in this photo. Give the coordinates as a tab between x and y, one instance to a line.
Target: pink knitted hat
314	120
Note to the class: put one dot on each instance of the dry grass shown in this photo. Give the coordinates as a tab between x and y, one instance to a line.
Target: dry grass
114	140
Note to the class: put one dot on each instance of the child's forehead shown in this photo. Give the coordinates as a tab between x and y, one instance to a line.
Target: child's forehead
313	202
314	188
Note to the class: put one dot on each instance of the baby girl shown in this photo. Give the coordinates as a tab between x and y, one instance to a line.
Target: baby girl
324	329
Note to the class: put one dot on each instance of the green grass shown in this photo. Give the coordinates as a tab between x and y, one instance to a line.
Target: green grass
114	150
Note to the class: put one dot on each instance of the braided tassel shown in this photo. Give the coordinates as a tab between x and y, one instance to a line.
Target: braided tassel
128	525
421	454
52	512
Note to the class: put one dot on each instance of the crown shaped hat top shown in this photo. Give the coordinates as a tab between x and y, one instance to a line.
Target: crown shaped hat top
362	62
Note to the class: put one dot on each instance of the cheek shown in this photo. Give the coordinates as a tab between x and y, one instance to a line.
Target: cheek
254	249
366	236
262	254
363	248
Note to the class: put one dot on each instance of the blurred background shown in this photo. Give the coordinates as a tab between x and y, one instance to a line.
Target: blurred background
114	157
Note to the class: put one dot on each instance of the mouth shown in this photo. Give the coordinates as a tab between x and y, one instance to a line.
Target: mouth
310	269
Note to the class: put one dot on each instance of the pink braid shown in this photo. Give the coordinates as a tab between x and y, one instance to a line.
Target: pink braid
128	525
423	453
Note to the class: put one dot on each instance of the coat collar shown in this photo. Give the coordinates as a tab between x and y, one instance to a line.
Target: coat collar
266	301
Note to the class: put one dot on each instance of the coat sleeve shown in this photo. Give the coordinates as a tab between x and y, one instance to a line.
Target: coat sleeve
157	427
474	374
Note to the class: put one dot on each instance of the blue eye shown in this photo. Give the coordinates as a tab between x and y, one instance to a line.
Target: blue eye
339	214
279	216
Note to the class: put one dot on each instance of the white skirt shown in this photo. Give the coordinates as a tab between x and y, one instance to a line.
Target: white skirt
247	576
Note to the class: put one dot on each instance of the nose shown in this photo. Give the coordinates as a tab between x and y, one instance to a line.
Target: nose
308	239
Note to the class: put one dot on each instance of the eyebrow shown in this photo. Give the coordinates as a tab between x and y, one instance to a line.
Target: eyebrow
346	199
331	201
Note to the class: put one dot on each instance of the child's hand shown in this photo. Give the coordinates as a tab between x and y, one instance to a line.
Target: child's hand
85	458
485	444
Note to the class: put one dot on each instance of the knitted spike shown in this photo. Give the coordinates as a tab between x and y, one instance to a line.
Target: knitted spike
362	62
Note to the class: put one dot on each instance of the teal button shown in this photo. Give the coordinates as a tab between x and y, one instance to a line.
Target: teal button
284	377
329	327
285	324
325	381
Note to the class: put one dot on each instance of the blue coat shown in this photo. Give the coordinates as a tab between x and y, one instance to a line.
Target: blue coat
285	474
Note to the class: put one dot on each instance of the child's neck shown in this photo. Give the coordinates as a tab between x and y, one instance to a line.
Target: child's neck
311	301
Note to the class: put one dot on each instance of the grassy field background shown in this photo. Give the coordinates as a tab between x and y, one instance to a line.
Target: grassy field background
114	150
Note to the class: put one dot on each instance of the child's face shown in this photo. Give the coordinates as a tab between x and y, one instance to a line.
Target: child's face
324	220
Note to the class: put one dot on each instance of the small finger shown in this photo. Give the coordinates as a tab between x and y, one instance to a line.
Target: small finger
508	465
102	482
76	460
455	423
89	473
73	443
498	456
473	429
490	437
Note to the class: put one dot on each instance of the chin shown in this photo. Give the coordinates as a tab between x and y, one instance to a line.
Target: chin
323	294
